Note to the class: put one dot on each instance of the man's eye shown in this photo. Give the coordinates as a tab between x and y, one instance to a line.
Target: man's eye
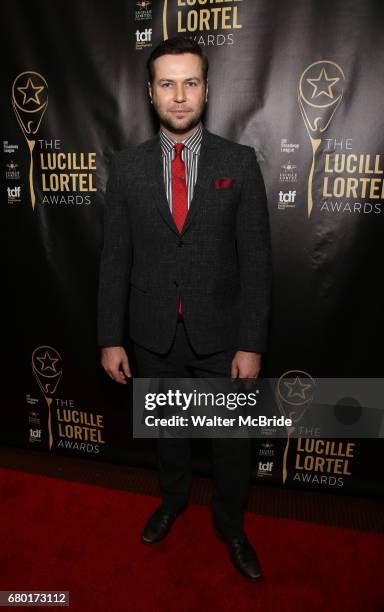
192	83
166	84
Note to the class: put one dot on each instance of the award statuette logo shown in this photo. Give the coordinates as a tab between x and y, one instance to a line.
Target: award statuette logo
47	368
294	393
320	92
30	101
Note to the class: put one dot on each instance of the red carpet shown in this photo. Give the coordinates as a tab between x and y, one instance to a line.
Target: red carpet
59	535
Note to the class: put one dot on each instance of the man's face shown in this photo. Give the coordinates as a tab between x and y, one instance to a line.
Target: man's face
178	91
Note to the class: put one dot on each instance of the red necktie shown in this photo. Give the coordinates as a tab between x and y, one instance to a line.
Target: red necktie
179	189
179	193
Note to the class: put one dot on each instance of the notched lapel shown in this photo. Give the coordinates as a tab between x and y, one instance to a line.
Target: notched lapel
154	168
205	172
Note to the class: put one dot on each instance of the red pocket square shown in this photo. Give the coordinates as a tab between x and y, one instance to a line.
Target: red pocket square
224	183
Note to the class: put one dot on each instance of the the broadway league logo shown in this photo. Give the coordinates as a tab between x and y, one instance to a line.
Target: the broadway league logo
30	101
319	94
294	394
47	368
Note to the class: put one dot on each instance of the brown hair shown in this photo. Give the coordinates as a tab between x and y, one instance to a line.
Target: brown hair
177	46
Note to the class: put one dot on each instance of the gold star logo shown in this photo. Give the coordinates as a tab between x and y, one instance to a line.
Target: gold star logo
297	388
322	85
47	362
30	92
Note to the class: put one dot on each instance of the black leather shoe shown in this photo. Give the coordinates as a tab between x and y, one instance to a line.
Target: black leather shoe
243	556
158	526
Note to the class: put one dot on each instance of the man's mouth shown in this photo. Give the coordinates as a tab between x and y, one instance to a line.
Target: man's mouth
179	111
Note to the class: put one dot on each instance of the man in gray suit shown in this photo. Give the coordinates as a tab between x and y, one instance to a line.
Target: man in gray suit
186	264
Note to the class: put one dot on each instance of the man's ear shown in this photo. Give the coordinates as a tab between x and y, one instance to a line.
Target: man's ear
150	91
206	91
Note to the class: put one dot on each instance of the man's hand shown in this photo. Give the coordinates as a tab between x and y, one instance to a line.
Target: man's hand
115	362
246	365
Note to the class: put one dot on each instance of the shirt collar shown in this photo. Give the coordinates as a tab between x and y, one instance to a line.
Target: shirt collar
193	142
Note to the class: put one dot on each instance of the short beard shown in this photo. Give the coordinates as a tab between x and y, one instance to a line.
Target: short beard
193	122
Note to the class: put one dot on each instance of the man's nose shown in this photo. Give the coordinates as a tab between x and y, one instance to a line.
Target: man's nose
180	93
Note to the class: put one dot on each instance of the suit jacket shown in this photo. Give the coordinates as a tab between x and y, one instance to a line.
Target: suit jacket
219	265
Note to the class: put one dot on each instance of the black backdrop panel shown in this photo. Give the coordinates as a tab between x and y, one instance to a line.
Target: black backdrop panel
298	81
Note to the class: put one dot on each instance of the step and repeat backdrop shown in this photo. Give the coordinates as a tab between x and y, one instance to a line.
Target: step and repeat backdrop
302	83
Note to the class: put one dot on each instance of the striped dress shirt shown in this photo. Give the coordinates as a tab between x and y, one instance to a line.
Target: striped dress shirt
190	156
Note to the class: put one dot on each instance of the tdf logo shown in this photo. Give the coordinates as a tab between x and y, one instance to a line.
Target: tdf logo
144	36
287	196
265	468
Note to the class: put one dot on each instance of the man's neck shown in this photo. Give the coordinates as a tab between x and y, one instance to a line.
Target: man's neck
180	137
